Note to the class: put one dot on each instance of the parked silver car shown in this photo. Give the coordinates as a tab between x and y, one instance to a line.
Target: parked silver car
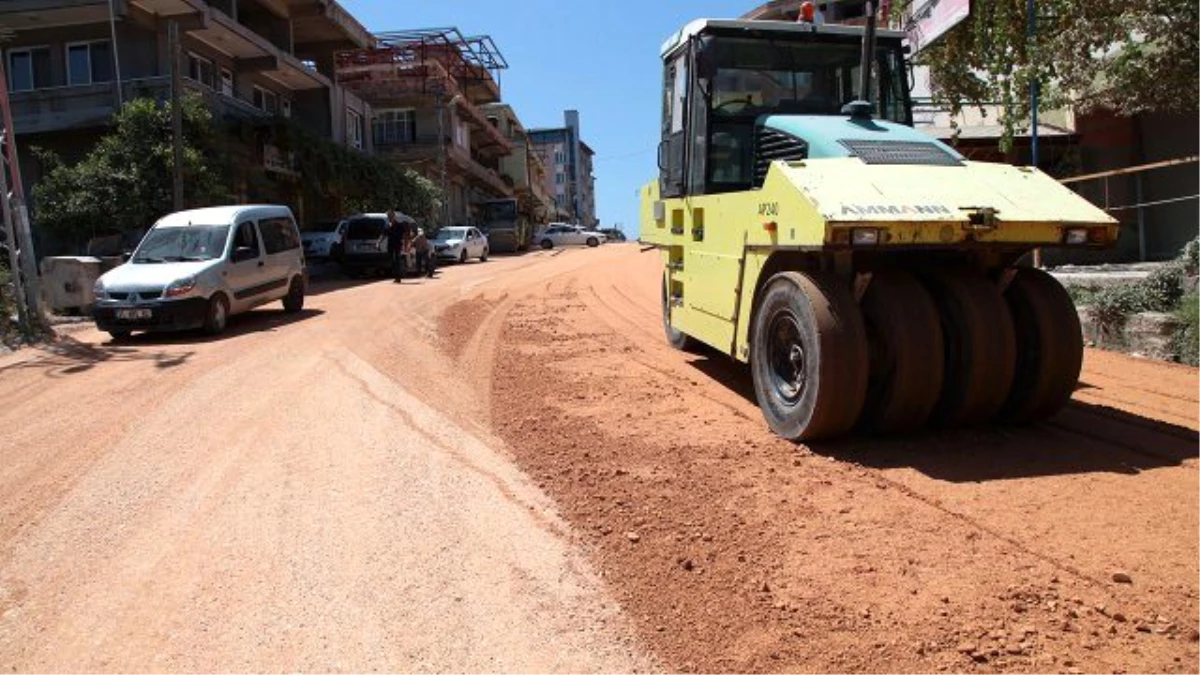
323	240
562	234
195	269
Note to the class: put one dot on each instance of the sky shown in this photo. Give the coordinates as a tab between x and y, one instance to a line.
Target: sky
600	58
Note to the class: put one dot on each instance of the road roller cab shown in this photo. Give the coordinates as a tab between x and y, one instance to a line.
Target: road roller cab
869	274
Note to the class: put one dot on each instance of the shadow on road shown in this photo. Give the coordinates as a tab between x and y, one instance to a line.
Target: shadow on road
68	356
252	322
1083	438
325	285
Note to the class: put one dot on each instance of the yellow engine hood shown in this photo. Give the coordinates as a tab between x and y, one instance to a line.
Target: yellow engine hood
845	190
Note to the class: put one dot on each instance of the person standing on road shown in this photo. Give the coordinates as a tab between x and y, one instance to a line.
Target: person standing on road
424	253
397	238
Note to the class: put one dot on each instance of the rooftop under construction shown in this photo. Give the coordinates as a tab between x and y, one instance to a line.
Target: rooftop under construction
432	82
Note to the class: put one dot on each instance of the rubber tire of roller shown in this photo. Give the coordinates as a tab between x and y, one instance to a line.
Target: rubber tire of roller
1049	346
980	347
835	343
907	353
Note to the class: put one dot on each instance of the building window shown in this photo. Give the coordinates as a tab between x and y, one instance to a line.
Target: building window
560	157
89	62
395	127
354	129
559	178
227	82
201	70
265	99
285	107
28	68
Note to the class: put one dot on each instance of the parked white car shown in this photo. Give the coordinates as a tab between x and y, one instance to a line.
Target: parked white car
561	234
323	240
460	244
195	269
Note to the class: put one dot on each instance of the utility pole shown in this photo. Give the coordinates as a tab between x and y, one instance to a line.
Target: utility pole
176	111
112	24
441	107
1034	85
1030	33
15	216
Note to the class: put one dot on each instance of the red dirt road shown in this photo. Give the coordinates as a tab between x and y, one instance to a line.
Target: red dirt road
989	550
507	469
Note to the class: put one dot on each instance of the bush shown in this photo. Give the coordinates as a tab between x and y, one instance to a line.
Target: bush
1187	338
1112	307
1190	259
1162	290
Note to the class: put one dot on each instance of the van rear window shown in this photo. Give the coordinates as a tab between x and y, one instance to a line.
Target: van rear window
366	228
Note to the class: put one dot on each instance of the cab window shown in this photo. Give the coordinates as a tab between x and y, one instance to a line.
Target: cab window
246	237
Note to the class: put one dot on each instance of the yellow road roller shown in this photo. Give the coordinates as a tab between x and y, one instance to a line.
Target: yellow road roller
870	275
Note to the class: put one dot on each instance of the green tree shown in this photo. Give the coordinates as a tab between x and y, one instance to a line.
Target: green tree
125	182
1129	57
359	182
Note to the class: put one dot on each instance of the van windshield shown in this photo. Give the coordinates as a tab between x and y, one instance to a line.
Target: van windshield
193	243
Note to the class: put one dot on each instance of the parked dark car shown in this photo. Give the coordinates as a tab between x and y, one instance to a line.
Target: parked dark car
364	247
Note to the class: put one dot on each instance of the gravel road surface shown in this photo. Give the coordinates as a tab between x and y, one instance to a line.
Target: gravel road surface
506	469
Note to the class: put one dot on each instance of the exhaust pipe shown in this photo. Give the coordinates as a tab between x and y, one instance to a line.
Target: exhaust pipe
861	108
868	54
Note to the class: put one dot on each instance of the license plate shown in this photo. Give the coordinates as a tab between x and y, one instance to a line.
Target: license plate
133	314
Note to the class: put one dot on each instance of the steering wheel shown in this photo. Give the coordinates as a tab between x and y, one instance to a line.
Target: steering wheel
745	103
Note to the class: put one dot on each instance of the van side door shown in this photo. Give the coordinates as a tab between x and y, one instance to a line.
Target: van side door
283	255
247	267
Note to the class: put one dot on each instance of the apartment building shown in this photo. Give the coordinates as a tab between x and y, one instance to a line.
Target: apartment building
70	64
428	89
569	163
524	169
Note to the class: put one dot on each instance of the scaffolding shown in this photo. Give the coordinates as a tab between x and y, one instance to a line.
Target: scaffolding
440	63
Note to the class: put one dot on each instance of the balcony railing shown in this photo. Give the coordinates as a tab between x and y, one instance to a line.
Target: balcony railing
93	105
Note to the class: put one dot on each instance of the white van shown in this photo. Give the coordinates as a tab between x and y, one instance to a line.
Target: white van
195	269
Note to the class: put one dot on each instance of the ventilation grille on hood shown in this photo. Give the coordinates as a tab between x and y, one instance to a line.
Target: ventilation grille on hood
775	145
900	152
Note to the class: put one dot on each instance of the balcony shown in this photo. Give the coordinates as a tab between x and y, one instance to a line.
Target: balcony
93	105
32	14
427	153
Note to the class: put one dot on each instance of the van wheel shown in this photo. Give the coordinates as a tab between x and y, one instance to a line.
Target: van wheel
593	242
218	315
547	244
462	257
119	335
483	258
294	300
